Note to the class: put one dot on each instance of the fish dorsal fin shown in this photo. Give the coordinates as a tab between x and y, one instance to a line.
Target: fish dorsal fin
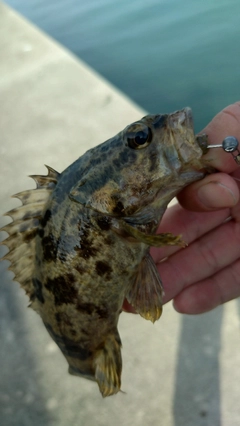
49	181
146	294
23	228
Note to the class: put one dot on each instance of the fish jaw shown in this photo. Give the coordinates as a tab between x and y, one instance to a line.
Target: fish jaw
180	145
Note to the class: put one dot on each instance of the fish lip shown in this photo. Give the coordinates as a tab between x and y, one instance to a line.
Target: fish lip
189	117
181	118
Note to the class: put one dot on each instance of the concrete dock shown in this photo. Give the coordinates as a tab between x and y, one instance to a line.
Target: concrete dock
182	371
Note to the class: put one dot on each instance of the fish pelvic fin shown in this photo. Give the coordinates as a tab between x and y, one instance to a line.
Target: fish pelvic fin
22	230
158	240
108	366
146	293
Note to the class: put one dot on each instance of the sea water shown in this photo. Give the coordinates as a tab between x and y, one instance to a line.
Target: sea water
163	54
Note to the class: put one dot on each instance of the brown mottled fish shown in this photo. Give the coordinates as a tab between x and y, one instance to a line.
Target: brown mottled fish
79	244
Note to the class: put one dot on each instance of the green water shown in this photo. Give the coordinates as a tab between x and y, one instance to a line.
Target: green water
164	54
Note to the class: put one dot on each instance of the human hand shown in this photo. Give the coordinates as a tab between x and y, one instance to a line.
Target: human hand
207	272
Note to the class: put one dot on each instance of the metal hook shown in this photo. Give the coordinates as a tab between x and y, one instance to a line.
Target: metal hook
230	145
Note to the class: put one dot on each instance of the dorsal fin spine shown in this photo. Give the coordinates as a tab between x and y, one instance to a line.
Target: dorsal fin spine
22	230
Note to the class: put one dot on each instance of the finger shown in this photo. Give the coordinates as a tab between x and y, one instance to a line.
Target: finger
215	191
235	211
201	197
202	259
210	293
226	123
126	307
191	225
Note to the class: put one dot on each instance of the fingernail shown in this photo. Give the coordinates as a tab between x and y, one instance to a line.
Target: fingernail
216	195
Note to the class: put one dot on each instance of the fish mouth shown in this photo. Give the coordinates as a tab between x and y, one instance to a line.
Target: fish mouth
182	118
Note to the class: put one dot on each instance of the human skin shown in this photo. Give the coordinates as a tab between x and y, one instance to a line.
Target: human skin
207	272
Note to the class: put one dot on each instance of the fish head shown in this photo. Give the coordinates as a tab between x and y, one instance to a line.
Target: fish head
143	167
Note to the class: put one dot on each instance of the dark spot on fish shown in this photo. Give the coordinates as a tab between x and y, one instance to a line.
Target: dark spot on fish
110	170
117	163
91	309
47	216
63	318
86	249
118	208
124	156
153	162
84	332
104	223
25	225
108	240
63	289
95	161
79	226
49	245
75	350
102	311
103	269
86	308
69	347
38	290
40	232
132	155
160	121
75	221
28	214
104	147
29	235
58	317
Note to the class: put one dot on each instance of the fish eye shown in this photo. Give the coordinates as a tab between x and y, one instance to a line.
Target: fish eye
139	136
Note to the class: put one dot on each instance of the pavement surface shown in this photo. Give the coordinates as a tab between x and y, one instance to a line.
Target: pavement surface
182	371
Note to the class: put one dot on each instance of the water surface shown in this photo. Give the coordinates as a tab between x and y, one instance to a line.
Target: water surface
164	54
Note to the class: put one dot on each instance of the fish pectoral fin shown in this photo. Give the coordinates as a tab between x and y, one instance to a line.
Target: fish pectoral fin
146	293
143	217
108	366
155	240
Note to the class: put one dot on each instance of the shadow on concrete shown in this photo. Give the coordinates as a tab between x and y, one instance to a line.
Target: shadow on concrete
21	398
197	389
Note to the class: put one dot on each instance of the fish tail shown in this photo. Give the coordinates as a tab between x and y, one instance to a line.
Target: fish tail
108	366
22	231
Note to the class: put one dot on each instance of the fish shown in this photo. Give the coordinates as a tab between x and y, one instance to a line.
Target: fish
79	243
